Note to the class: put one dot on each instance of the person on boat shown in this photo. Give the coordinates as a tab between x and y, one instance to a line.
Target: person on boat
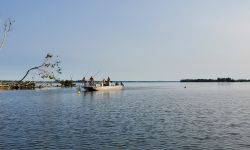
91	80
108	82
103	82
84	81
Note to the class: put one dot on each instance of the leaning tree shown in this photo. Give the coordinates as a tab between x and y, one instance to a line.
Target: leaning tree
49	69
7	27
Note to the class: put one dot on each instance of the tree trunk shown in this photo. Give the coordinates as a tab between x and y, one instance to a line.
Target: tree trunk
28	73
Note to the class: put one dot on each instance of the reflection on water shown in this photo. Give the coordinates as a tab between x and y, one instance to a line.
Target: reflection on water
103	94
142	116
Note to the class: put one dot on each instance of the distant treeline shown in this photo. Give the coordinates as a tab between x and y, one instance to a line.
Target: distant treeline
215	80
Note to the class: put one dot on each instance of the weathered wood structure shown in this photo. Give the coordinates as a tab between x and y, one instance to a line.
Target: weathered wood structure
17	85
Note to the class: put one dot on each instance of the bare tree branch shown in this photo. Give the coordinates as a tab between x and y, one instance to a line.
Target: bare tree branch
7	27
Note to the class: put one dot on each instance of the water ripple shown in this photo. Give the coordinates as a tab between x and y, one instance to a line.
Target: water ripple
143	116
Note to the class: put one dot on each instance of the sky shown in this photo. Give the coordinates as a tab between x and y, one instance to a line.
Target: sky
129	40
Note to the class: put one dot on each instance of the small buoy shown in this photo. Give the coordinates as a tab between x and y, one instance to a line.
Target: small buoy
78	92
185	87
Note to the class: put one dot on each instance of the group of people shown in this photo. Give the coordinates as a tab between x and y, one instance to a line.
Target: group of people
91	81
104	82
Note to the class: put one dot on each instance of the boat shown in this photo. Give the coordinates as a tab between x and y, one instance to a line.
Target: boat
99	88
92	85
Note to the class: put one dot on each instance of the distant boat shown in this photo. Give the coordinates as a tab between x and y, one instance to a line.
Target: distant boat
92	85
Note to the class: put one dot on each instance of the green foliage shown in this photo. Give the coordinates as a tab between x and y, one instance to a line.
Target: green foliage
67	83
49	67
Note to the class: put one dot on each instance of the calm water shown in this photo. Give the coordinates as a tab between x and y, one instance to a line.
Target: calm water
142	116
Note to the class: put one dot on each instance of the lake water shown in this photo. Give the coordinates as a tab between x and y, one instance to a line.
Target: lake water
142	116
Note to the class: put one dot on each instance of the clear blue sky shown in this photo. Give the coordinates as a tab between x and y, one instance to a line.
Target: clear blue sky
130	40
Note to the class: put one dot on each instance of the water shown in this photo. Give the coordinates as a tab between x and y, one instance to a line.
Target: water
142	116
